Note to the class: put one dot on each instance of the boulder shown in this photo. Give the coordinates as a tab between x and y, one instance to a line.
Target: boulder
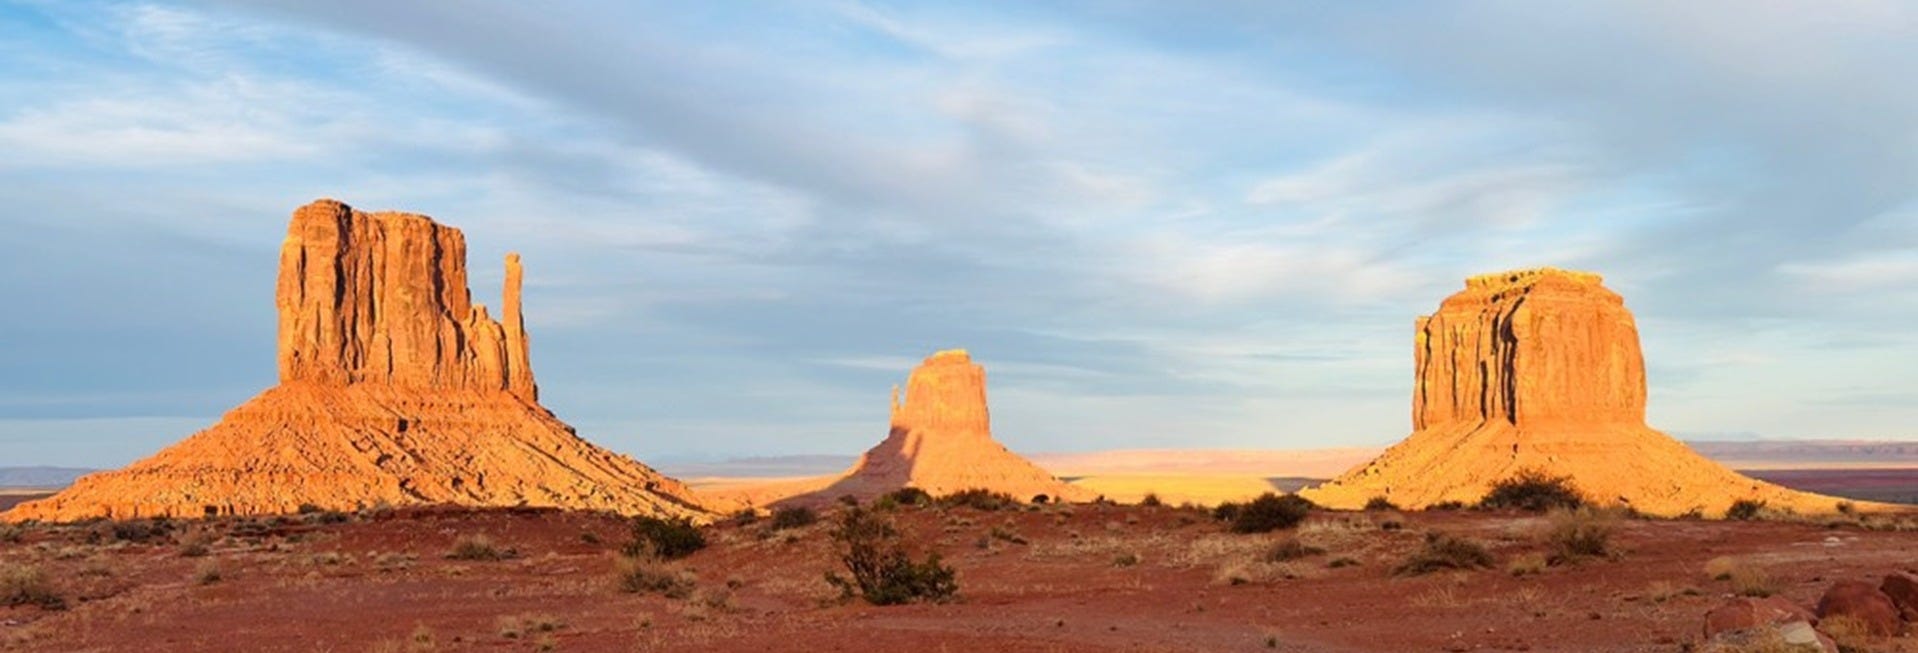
1863	601
1903	592
1748	613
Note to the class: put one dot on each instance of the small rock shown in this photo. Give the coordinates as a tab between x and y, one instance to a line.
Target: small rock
1903	592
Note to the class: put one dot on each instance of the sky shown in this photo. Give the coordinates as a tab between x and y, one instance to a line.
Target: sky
1180	224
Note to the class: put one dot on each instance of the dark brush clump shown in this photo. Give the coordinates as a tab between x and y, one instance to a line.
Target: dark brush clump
1271	512
1532	491
870	549
669	539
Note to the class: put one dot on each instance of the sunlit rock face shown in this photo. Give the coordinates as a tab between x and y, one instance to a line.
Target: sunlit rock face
395	389
1541	370
941	441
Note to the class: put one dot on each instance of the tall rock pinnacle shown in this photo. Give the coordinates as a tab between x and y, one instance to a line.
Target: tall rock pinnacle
394	389
941	441
382	298
1540	370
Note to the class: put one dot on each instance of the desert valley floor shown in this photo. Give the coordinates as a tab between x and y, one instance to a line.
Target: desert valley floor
1055	578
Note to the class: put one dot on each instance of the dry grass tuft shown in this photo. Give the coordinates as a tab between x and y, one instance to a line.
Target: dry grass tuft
1443	551
1526	565
1753	581
651	575
27	585
1721	568
478	548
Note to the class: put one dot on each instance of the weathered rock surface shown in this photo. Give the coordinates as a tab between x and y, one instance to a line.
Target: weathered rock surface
1541	370
395	389
1903	592
1748	613
1863	601
941	442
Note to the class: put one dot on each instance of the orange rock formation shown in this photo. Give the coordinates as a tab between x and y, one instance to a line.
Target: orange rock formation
394	389
941	442
1541	370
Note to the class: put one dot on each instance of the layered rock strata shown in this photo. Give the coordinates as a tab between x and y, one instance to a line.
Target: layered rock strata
1540	370
394	389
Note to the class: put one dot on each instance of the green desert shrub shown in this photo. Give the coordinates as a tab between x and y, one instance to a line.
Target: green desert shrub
1271	512
1442	552
1533	491
1377	504
793	517
910	496
668	538
978	499
870	549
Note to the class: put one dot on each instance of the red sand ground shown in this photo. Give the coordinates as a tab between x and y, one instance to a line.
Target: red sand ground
1048	582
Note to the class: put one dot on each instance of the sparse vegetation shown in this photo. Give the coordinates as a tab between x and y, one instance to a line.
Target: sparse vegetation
668	538
1226	511
1040	499
1527	564
1446	506
12	533
1125	559
649	574
1341	563
1745	510
793	517
1376	504
1721	568
1573	535
910	496
1850	633
1271	512
142	530
1753	581
27	585
1443	551
477	548
1533	491
1151	500
869	548
208	573
978	499
1290	549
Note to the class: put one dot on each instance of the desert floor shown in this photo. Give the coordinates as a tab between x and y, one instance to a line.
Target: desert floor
1032	578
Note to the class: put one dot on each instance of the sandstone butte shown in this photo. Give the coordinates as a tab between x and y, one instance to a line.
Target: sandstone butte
941	442
1540	370
394	389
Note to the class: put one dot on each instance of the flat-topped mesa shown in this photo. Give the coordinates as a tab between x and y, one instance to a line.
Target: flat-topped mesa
382	298
1540	371
946	393
1529	347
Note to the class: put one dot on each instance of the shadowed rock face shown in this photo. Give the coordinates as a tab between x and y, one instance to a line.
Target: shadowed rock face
941	442
394	389
1541	370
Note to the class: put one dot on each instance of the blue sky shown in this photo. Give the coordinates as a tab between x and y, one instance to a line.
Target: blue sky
1156	224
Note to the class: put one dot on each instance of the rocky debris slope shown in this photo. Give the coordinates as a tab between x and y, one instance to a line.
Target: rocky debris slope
1540	370
394	389
941	442
1863	614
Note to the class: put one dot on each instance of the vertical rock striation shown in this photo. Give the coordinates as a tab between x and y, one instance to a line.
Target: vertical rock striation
1540	370
394	389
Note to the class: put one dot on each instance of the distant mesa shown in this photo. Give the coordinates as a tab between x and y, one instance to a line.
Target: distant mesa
1540	370
941	442
395	389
